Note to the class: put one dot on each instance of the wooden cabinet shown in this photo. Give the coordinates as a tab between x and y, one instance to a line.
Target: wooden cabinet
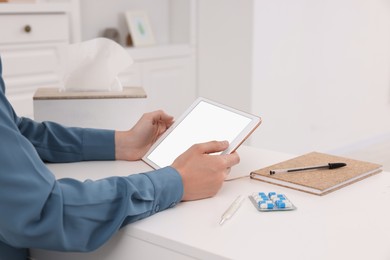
32	35
31	38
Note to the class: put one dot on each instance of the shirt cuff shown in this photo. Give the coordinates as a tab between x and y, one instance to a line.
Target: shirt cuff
168	187
98	144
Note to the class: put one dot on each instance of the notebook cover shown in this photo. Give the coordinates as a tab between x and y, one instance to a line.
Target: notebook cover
323	180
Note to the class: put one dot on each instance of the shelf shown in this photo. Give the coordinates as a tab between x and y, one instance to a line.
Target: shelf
160	51
172	21
34	8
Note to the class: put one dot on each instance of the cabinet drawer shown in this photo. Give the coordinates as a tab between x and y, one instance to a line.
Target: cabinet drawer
27	28
23	60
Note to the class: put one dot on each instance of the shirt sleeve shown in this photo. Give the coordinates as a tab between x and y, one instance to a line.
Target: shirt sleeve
57	143
38	211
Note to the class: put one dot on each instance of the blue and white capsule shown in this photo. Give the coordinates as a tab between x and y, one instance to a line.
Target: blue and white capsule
283	204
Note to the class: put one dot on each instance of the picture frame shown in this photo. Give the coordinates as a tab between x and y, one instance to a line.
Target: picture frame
139	28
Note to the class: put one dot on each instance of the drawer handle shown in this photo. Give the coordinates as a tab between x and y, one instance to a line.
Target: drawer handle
27	28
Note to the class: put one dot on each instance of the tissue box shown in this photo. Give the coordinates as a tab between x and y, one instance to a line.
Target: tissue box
108	110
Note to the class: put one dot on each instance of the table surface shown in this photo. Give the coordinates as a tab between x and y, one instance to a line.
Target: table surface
350	223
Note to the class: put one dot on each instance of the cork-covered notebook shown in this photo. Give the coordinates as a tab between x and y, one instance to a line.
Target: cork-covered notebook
319	181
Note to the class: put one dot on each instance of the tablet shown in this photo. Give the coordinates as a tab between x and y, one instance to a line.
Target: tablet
203	121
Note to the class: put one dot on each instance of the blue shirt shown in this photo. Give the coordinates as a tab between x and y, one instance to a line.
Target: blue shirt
38	211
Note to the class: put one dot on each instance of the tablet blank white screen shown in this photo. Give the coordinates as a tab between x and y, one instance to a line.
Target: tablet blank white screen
204	123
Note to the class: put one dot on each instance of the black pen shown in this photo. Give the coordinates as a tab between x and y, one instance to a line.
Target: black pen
327	166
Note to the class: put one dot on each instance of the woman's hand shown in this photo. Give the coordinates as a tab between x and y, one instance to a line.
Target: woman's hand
202	172
133	144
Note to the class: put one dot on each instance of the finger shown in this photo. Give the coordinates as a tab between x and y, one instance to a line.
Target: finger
212	146
231	159
160	115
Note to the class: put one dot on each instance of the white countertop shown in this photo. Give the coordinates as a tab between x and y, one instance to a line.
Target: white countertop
350	223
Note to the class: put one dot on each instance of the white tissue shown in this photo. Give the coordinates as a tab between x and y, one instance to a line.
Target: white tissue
94	65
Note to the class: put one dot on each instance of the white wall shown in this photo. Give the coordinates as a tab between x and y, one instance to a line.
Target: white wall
321	73
225	41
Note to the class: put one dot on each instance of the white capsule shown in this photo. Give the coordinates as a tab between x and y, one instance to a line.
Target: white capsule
267	206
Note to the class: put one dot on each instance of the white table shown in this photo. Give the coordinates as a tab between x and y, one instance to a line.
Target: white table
350	223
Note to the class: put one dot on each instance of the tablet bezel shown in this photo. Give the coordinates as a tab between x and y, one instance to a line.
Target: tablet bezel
255	121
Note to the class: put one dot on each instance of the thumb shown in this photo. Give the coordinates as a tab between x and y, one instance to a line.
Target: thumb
213	146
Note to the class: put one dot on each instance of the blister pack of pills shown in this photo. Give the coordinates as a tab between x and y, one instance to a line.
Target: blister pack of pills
271	202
